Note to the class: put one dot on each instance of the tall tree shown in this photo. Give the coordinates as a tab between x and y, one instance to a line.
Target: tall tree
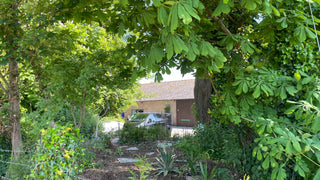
11	34
82	68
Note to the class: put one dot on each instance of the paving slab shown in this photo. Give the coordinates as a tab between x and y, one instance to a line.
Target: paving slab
150	153
127	160
115	141
133	149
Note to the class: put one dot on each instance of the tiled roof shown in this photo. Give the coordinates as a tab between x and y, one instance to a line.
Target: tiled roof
171	90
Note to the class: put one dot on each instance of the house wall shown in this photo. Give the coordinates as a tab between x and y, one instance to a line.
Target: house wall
184	113
155	106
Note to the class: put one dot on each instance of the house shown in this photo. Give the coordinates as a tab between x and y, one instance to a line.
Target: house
176	97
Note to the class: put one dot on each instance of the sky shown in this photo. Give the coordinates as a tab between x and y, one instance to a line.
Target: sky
174	76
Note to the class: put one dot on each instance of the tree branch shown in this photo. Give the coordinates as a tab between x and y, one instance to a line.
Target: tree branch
4	79
223	27
4	89
214	88
246	119
4	107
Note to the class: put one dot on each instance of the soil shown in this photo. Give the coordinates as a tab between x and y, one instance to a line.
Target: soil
110	168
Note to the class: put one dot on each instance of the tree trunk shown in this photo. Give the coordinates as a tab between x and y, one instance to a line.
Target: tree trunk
14	108
202	93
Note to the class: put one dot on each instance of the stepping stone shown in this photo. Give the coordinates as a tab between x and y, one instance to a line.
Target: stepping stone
150	153
123	146
115	140
127	160
133	149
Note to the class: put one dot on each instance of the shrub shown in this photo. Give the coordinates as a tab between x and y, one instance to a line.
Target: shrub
221	143
101	143
58	154
190	146
131	134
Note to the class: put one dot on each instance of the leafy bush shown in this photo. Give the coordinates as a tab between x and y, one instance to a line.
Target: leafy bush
190	146
58	154
226	144
131	134
88	127
101	143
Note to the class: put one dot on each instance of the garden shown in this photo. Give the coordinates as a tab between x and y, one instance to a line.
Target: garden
68	65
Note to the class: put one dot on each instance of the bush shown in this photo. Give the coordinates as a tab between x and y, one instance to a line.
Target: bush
131	134
64	117
226	144
58	154
101	143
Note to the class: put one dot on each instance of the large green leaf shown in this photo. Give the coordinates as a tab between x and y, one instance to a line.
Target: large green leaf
256	92
300	33
191	11
178	44
186	18
316	124
266	163
317	176
251	5
247	47
310	34
222	8
169	47
173	16
156	53
162	16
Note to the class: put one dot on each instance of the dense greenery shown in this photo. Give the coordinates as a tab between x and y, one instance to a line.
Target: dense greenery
58	155
260	56
132	134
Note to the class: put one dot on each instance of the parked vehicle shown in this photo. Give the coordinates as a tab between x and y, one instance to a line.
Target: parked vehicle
150	119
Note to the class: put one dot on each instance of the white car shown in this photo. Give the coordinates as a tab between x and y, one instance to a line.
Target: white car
149	119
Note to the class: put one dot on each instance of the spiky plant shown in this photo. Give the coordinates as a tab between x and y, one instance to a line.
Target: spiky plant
165	161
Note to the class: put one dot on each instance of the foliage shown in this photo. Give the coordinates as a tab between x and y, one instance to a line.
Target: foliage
144	168
58	155
19	169
4	156
101	143
167	108
260	55
166	161
220	141
224	144
131	134
191	148
116	117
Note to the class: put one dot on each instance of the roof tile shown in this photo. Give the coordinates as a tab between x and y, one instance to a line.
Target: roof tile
171	90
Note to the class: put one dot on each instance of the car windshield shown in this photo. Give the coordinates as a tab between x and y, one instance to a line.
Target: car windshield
138	117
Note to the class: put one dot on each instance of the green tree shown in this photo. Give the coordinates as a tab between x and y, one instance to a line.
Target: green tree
11	34
85	71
